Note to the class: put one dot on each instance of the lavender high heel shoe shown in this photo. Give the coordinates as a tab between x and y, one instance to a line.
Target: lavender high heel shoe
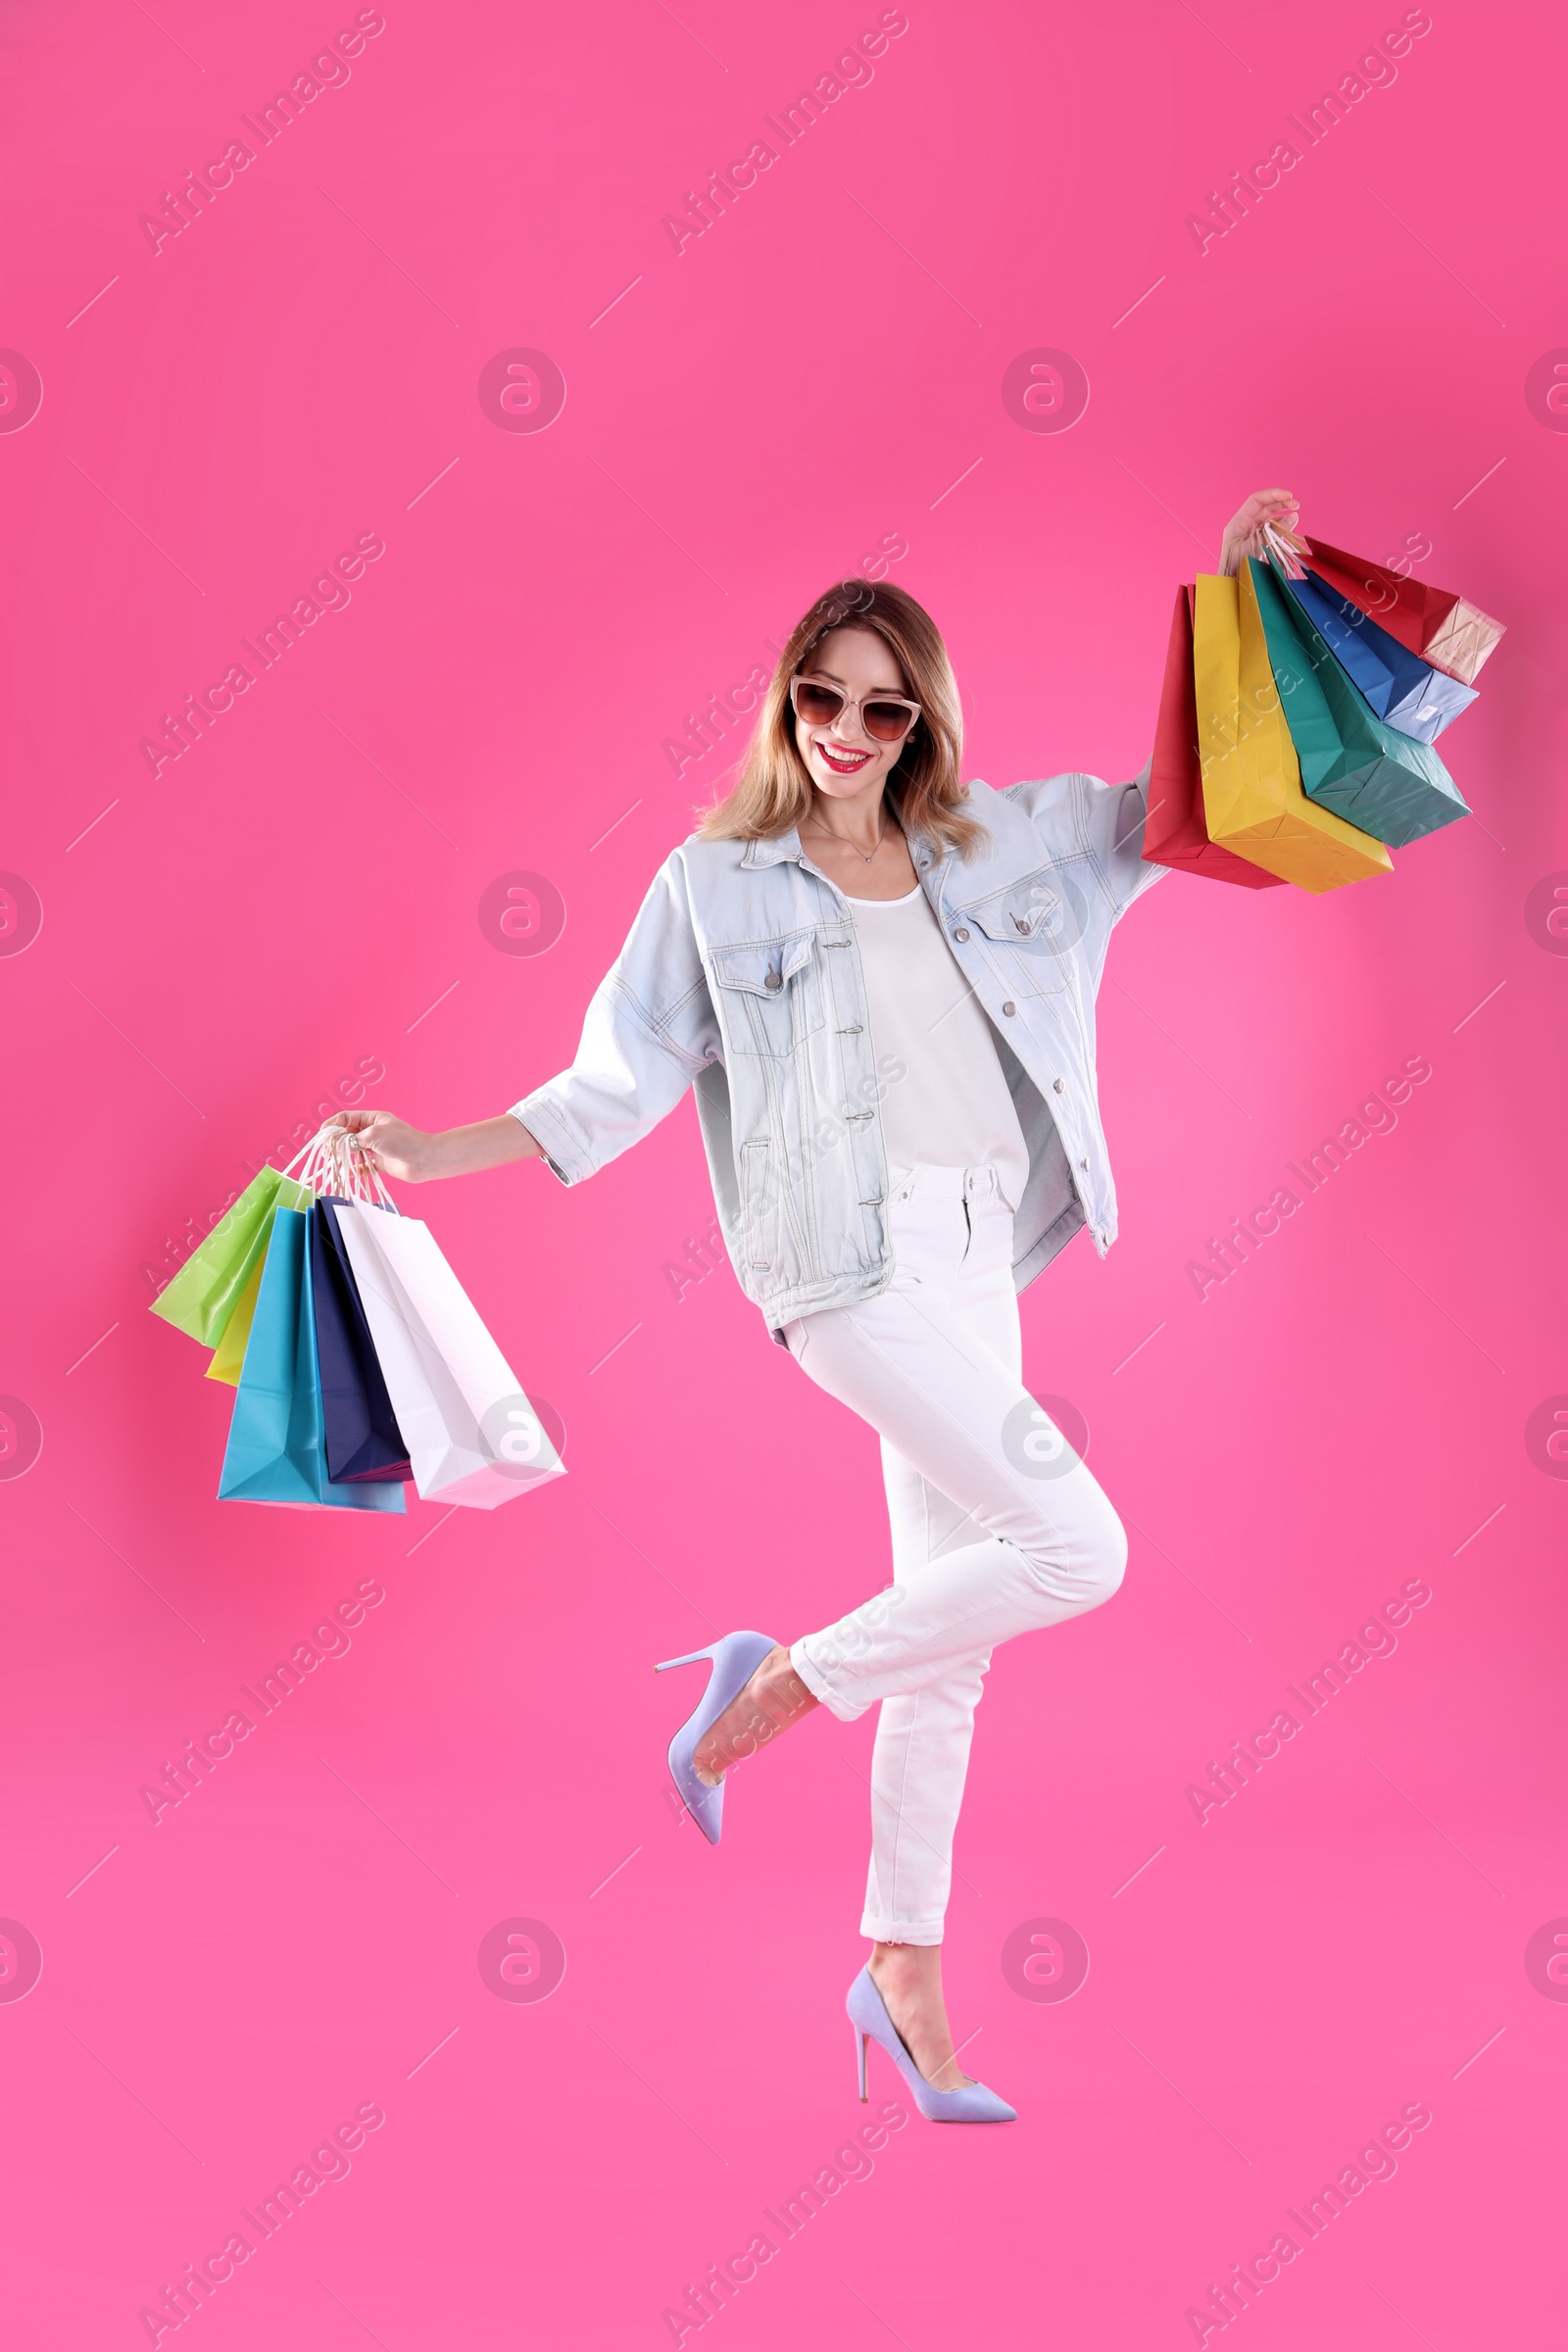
735	1659
973	2104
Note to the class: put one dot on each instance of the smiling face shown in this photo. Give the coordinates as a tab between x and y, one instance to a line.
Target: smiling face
843	762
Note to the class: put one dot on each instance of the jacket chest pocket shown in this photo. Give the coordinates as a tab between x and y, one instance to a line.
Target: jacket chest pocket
770	994
1031	928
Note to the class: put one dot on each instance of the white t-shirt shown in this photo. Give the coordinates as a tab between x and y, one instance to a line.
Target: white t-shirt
951	1108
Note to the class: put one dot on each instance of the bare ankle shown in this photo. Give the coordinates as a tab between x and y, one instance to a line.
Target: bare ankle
905	1962
780	1689
773	1699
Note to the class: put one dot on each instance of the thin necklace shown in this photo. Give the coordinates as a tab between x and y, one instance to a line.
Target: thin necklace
849	844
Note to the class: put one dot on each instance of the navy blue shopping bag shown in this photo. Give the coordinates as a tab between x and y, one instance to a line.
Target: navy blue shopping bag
363	1442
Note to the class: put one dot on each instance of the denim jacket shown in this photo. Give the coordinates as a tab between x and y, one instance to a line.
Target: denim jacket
741	977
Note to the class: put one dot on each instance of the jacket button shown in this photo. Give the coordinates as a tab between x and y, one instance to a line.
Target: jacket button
961	933
1055	1086
773	980
1010	1006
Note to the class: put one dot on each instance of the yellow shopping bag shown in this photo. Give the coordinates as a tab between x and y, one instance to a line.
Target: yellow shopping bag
228	1359
1252	797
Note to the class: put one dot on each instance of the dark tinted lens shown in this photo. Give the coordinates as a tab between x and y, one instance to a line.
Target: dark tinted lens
818	705
886	721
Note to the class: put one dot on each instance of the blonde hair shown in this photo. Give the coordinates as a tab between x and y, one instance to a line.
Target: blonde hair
773	789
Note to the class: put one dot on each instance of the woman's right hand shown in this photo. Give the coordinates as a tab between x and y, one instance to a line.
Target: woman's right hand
389	1144
412	1156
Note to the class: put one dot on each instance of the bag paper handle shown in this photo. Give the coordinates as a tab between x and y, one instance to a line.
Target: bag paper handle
306	1151
1285	551
335	1161
306	1168
351	1171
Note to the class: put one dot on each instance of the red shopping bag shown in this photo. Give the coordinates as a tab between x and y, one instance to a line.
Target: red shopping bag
1445	628
1174	831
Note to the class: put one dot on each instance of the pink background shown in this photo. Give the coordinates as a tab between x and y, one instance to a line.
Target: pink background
296	900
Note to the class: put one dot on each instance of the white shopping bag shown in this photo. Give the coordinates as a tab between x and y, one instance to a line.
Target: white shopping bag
472	1434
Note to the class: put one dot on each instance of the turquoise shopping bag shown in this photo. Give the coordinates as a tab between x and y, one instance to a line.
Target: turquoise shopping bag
275	1451
1385	783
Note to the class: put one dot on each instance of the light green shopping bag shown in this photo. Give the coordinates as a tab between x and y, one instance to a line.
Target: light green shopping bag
208	1286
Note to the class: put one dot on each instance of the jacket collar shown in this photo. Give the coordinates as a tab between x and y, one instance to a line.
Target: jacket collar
772	853
928	855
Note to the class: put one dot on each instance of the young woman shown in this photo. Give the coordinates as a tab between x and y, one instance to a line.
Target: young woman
880	984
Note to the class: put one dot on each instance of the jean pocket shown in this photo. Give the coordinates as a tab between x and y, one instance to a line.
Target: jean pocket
1031	926
770	994
760	1207
993	1204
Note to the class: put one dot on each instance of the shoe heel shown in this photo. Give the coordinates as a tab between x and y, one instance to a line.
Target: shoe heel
690	1659
860	2060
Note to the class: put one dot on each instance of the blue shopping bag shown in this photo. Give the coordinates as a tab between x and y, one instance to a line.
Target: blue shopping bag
361	1430
1404	691
275	1451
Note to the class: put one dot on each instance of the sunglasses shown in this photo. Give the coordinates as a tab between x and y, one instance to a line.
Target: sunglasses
886	718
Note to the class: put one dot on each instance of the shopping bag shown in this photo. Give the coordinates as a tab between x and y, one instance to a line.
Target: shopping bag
1366	772
228	1356
472	1434
1252	797
1174	831
1403	691
202	1295
361	1436
1444	628
275	1452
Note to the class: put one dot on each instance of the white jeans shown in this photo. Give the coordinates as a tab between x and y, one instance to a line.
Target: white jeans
998	1526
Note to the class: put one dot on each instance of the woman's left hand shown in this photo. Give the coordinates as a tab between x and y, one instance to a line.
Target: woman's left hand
1244	534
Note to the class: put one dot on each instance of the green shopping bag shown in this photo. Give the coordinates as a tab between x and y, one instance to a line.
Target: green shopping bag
208	1288
1383	782
275	1450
